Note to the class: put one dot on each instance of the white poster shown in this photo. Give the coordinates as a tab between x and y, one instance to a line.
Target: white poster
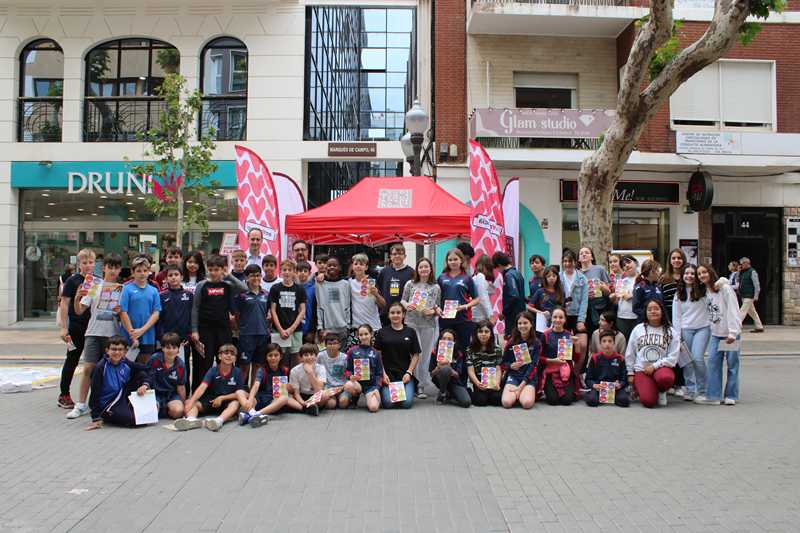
792	231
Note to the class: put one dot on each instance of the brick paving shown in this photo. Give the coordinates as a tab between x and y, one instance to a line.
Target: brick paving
433	468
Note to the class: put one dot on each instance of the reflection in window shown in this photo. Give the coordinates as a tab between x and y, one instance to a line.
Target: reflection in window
360	72
224	88
329	180
122	81
41	92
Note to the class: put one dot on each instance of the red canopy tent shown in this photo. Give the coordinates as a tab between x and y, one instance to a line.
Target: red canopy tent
382	210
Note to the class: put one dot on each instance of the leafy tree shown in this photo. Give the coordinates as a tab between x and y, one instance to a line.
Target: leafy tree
181	166
656	52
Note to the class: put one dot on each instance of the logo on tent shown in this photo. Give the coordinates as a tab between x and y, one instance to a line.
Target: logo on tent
394	198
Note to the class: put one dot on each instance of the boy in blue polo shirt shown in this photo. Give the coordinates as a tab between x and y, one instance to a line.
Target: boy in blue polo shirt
221	393
140	306
251	308
168	376
176	306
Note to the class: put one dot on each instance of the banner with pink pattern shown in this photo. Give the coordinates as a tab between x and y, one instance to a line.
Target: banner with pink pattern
258	202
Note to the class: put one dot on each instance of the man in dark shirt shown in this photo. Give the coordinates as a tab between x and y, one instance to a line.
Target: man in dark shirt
393	278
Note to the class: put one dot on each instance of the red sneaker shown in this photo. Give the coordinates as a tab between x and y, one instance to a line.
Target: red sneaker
65	401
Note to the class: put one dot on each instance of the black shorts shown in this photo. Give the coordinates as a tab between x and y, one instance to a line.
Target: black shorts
207	409
253	349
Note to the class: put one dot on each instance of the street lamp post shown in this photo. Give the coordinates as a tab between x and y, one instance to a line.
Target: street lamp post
416	124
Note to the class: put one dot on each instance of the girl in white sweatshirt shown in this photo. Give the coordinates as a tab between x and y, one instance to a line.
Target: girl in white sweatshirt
690	317
723	313
651	355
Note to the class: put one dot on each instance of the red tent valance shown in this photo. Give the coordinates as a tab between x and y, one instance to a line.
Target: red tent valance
382	210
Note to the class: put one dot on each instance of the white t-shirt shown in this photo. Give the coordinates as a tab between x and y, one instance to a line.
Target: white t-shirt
625	307
363	308
569	279
104	321
299	379
267	285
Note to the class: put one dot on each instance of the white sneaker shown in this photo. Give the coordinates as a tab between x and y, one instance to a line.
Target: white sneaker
214	424
78	411
185	424
729	401
680	392
662	399
702	400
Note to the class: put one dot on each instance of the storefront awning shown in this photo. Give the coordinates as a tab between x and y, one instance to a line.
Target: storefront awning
383	210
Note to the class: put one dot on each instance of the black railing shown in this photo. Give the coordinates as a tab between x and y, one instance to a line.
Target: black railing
120	119
605	3
40	120
540	142
224	119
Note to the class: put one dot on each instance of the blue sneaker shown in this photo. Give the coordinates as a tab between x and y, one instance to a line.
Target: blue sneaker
244	418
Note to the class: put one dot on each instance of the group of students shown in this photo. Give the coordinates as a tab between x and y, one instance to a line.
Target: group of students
238	341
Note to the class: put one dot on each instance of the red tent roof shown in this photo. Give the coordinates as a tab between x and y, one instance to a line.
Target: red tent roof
382	210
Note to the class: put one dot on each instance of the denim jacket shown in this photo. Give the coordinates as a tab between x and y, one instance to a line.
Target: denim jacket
579	295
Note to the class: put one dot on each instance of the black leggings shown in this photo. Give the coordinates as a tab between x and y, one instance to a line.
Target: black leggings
551	394
482	398
463	329
447	383
211	338
78	335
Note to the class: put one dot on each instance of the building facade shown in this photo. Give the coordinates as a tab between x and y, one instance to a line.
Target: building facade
539	83
286	79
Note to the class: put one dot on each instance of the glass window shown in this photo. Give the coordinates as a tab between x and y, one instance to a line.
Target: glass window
331	179
359	72
41	92
224	88
121	94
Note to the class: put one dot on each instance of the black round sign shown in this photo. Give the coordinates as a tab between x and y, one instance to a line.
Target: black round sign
700	193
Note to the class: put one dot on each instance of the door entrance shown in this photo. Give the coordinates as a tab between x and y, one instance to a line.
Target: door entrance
754	233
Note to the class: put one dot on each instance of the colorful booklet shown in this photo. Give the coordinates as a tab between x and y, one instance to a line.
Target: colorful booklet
361	369
419	299
489	377
522	354
450	309
92	283
315	399
619	287
607	392
565	348
594	289
444	354
397	391
280	386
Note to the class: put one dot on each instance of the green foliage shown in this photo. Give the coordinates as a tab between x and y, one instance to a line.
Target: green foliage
176	154
664	55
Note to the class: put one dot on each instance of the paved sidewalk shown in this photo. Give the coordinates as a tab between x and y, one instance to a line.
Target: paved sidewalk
38	342
430	469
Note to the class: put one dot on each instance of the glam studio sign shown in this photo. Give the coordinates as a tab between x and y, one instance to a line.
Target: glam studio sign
108	183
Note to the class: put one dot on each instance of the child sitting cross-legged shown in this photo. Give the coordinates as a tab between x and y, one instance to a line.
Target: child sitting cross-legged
269	394
307	379
220	393
168	373
364	372
607	366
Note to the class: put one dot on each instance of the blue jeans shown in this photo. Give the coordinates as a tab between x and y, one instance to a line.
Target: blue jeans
715	356
386	398
695	372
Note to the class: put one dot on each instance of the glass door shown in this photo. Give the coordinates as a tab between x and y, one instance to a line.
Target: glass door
46	255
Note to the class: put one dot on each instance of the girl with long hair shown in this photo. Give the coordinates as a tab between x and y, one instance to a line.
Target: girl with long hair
421	297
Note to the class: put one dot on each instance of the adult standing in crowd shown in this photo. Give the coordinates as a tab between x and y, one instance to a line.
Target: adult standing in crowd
393	278
254	238
421	317
400	351
749	289
733	268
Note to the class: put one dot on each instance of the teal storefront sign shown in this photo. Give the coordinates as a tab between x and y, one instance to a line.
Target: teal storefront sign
98	177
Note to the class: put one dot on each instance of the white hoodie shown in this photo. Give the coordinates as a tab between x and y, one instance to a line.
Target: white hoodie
690	314
649	345
723	310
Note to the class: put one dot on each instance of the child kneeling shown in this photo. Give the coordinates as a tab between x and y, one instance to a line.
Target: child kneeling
607	366
450	377
221	393
364	372
168	374
113	379
269	394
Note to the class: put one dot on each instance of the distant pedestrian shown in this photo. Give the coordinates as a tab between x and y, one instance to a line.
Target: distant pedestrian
749	289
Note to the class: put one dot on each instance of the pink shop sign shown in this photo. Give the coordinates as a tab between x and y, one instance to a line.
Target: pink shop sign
564	123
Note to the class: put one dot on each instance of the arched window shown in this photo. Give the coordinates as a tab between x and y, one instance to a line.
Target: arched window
41	87
122	78
223	82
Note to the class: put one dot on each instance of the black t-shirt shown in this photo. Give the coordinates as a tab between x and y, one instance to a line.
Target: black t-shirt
396	347
391	283
287	302
69	290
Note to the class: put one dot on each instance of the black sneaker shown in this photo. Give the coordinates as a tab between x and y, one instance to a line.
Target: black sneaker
313	410
259	420
65	401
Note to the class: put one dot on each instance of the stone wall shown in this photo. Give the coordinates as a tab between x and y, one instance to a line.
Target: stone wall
791	278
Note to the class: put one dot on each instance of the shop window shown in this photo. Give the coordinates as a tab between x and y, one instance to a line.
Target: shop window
121	93
41	75
360	72
224	88
713	98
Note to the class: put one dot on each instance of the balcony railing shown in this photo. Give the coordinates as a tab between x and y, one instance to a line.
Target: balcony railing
40	120
596	3
120	119
224	119
532	142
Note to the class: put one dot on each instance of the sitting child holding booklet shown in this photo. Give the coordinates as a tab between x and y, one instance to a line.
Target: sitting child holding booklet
606	374
269	394
168	374
307	380
448	372
520	359
335	363
364	372
559	379
113	380
221	393
484	358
